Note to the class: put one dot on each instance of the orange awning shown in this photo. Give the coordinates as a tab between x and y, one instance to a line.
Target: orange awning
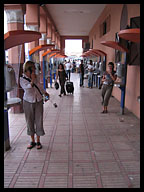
83	55
50	51
115	45
59	55
93	53
52	54
47	52
18	37
40	48
88	54
130	35
98	52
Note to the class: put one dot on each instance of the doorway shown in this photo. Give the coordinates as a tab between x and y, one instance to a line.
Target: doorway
73	47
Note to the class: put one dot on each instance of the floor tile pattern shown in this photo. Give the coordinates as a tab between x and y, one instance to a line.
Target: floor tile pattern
82	148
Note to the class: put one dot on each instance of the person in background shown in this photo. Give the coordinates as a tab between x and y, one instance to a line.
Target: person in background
68	68
81	67
33	103
74	66
77	66
90	74
108	79
61	74
65	61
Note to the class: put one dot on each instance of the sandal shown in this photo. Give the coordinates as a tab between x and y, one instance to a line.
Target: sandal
39	146
32	144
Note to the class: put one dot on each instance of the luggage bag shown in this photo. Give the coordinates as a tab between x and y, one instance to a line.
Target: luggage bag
69	87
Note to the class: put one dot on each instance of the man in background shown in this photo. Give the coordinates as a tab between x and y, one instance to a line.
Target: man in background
68	68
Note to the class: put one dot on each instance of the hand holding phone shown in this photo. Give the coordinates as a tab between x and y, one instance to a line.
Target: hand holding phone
33	76
32	73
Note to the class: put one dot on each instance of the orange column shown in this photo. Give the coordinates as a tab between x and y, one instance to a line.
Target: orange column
16	55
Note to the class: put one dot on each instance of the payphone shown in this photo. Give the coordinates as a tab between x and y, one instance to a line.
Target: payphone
121	59
120	70
10	78
37	68
102	69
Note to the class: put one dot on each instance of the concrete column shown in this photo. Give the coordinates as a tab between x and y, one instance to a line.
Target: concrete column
56	39
34	43
32	24
49	34
16	55
35	56
48	41
59	42
49	29
62	45
53	35
32	14
42	41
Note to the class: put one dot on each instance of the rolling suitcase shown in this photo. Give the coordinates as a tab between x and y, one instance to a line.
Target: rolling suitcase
69	87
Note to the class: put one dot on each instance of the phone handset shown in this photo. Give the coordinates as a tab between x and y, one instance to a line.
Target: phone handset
30	70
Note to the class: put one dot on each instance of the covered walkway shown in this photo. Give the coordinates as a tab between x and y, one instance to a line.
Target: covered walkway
82	148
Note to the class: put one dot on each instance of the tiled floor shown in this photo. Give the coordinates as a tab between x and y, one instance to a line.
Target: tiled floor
82	148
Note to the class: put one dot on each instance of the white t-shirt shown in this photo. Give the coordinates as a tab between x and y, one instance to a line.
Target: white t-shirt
77	64
90	67
68	66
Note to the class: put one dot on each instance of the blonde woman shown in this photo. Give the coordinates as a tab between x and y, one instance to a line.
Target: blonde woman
33	103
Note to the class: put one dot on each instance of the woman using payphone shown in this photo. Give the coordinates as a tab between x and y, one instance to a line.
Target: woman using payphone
33	103
108	79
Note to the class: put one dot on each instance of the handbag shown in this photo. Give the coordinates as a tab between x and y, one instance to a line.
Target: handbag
56	85
100	86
